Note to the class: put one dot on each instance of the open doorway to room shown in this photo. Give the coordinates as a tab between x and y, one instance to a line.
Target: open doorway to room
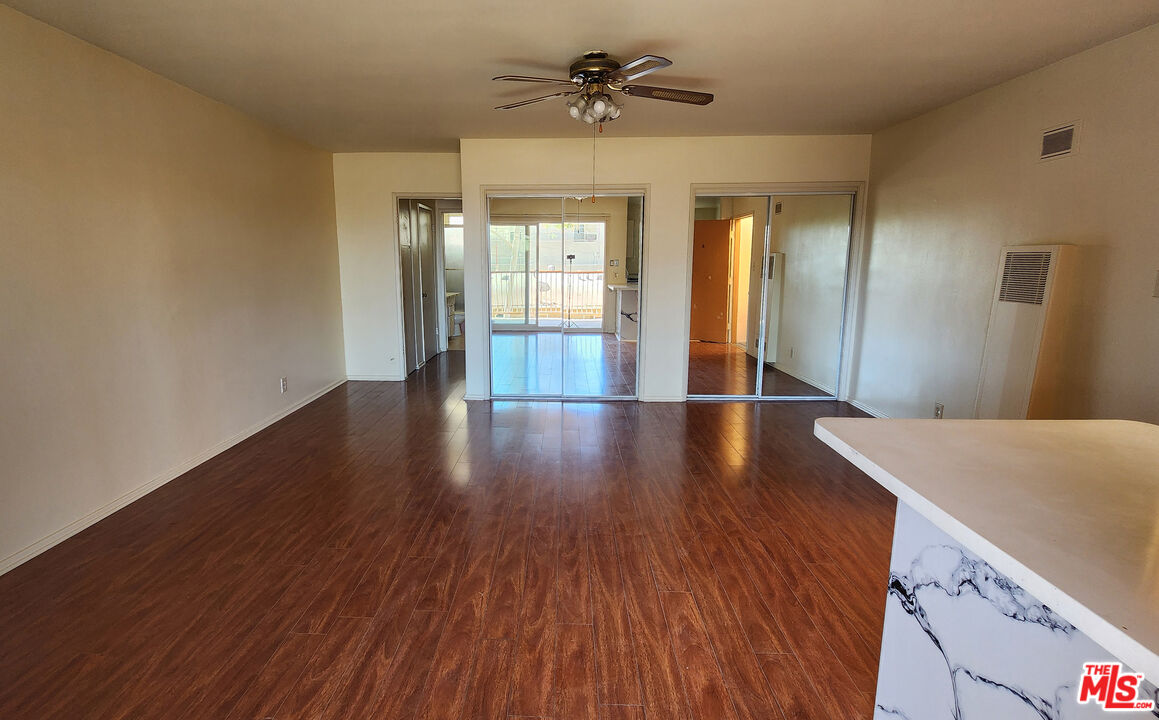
451	214
430	242
768	293
564	295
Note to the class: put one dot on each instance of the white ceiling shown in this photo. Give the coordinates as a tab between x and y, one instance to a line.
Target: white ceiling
385	75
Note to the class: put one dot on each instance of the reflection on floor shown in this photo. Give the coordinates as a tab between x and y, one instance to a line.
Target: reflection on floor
530	363
723	369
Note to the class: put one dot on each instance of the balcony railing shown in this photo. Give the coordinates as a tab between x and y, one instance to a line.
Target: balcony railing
555	295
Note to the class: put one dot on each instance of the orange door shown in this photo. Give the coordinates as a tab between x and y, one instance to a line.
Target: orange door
710	252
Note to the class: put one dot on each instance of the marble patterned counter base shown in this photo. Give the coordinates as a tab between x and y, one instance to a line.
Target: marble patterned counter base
961	641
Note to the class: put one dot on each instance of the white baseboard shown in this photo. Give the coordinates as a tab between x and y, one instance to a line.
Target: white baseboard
866	408
662	398
374	376
22	556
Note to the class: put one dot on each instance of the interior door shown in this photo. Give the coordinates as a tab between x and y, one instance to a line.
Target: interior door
710	267
429	305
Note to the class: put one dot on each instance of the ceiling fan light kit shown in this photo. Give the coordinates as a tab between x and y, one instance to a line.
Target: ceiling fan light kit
598	107
593	79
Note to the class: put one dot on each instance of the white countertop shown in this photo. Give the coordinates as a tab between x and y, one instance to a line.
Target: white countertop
1068	509
623	286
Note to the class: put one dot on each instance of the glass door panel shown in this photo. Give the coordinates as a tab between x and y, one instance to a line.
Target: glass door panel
550	274
526	346
724	321
599	351
805	298
512	257
559	280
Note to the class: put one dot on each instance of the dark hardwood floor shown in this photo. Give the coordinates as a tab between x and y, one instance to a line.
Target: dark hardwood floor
391	551
726	369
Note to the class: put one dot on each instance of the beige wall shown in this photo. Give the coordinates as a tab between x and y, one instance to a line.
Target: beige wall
949	188
667	168
365	185
163	261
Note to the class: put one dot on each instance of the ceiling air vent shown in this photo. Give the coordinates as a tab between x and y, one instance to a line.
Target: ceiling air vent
1024	277
1057	142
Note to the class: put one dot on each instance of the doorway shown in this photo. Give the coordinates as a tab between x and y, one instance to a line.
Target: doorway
451	212
769	287
428	305
563	306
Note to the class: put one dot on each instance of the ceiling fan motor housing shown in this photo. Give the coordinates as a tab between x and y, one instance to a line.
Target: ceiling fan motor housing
593	67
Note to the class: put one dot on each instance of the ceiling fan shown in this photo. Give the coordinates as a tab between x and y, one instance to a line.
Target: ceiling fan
595	76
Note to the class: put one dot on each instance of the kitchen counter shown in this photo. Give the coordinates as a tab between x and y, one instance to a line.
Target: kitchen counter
1066	512
627	310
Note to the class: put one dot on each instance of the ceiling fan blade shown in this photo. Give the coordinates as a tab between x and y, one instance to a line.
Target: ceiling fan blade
521	103
670	94
639	67
532	79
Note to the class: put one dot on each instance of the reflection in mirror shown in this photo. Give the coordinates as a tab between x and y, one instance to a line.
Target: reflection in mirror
805	302
724	324
602	320
558	283
525	256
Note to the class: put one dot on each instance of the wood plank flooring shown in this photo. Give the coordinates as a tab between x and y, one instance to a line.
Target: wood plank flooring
726	369
391	551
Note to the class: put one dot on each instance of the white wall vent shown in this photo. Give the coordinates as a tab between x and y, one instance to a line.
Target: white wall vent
1057	142
1025	350
1024	276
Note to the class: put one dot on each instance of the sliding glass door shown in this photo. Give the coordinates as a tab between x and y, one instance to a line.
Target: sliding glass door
558	279
769	277
514	254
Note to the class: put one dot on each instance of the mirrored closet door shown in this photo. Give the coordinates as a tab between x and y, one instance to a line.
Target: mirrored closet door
564	295
769	276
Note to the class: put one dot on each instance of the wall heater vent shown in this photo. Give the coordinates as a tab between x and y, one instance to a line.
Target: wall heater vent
1024	276
1057	142
1025	352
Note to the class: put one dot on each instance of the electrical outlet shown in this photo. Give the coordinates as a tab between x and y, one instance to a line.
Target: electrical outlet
938	410
284	385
